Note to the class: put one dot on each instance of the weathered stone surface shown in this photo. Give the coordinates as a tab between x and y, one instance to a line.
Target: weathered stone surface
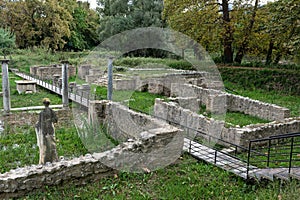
209	127
47	72
217	102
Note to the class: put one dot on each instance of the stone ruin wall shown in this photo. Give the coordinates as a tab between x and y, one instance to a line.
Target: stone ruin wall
123	122
78	171
162	84
158	85
216	100
206	126
89	168
48	72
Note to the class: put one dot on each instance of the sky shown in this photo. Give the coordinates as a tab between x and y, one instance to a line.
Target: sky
93	3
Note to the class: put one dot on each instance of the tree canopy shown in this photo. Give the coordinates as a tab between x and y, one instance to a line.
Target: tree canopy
7	41
120	15
231	29
52	24
238	27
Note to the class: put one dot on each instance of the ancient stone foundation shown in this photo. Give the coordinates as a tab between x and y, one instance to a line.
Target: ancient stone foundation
205	127
77	171
216	100
162	84
48	72
154	144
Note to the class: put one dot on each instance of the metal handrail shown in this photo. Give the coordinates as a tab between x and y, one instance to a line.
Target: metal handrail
288	146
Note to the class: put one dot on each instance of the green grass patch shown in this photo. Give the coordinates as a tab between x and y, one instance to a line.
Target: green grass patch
137	61
233	118
25	100
19	149
291	102
139	101
24	59
241	119
185	179
277	81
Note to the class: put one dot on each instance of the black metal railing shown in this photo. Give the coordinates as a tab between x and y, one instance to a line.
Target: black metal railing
280	151
208	148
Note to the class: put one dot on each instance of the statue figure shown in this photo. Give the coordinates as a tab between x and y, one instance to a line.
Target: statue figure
46	135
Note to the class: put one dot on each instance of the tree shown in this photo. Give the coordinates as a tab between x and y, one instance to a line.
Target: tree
117	16
208	22
55	22
283	29
51	23
83	28
7	41
246	34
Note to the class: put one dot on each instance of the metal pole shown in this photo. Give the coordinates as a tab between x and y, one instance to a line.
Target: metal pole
5	87
110	78
248	159
65	98
269	151
291	154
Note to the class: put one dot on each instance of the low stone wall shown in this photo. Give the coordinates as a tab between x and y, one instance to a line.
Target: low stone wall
196	124
250	132
78	171
83	71
256	108
156	145
122	122
162	84
217	101
48	72
204	126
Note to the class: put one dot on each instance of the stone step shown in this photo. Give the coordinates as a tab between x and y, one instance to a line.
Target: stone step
280	173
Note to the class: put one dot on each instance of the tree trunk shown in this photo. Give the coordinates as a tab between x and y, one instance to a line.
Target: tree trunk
228	33
277	58
243	48
270	51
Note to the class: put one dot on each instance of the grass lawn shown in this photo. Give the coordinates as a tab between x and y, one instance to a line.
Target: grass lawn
237	118
288	101
25	100
185	179
19	149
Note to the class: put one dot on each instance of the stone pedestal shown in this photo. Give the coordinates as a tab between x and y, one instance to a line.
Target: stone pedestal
26	86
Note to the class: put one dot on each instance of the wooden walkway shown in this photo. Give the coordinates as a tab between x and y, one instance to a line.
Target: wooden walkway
72	96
